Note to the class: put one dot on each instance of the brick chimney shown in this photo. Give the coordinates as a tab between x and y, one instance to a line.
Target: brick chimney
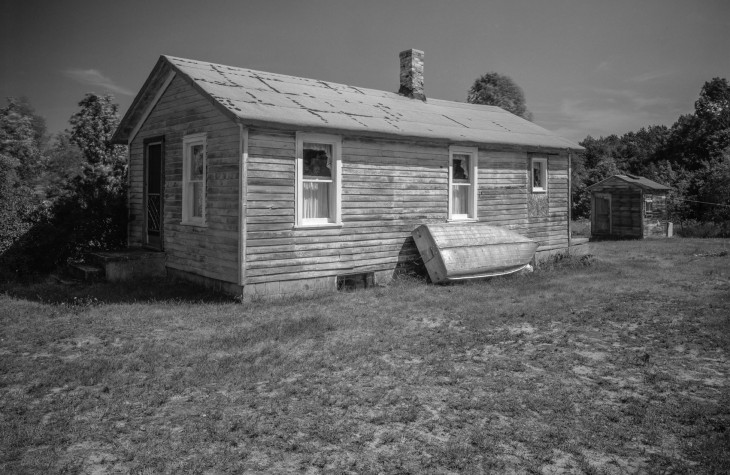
411	74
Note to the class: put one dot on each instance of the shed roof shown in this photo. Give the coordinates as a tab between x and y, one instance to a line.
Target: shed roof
261	98
639	181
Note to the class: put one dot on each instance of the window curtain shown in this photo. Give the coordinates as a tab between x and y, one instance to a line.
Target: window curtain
316	199
460	199
197	208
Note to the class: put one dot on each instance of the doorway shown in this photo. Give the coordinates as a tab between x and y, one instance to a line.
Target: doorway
154	161
602	213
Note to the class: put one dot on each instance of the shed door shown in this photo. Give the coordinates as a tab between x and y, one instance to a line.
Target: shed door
602	220
154	163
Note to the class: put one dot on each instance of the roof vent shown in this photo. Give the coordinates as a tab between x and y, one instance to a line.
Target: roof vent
411	74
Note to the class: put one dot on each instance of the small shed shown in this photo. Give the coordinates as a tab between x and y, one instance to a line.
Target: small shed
629	206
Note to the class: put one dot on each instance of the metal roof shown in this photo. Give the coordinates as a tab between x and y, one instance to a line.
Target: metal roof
257	97
635	180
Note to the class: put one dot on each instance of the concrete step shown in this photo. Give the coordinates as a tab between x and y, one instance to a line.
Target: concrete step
86	272
128	264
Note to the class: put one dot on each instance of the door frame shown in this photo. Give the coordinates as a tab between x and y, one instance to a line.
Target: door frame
156	243
594	216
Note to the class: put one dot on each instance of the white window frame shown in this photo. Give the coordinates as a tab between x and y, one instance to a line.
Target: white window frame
335	205
544	173
473	153
187	195
648	209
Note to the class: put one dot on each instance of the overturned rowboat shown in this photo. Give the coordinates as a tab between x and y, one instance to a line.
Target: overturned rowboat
458	251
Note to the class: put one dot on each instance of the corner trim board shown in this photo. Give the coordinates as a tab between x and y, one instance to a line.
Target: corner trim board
242	203
570	198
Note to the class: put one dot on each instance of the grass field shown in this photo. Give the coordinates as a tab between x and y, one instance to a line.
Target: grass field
615	363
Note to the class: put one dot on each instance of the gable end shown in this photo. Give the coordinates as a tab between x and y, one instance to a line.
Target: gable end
154	87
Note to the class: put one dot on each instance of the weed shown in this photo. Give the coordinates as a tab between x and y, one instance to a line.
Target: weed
581	228
697	229
566	261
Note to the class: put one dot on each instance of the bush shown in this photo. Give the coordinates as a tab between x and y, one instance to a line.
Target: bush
84	184
581	228
699	229
91	215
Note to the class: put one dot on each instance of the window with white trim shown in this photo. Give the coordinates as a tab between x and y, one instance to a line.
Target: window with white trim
463	183
538	175
318	191
648	205
194	173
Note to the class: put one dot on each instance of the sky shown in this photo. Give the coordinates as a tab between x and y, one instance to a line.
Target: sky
587	67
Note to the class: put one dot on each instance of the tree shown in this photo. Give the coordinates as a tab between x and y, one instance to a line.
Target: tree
580	197
38	122
64	163
711	186
494	89
20	165
713	106
84	176
19	144
91	210
92	128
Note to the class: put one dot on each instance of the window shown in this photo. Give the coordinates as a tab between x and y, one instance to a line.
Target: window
648	205
462	183
194	170
318	180
538	175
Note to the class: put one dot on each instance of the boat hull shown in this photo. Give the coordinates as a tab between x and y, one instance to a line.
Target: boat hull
459	251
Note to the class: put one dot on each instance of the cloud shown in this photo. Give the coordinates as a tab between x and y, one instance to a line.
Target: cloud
603	111
603	66
94	77
629	98
650	76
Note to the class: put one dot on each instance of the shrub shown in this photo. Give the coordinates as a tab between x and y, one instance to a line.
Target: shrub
699	229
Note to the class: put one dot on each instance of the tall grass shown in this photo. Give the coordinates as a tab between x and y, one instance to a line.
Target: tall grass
698	229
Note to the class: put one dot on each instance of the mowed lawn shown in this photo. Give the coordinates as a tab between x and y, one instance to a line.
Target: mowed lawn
615	363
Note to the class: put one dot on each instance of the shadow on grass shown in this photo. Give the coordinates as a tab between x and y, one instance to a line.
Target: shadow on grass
49	290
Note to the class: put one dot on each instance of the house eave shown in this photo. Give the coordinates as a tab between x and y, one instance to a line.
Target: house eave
423	139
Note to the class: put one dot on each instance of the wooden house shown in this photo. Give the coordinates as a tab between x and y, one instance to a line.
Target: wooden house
260	183
628	206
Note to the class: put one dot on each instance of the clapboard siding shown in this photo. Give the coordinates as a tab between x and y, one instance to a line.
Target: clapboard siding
210	251
376	225
504	192
388	188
